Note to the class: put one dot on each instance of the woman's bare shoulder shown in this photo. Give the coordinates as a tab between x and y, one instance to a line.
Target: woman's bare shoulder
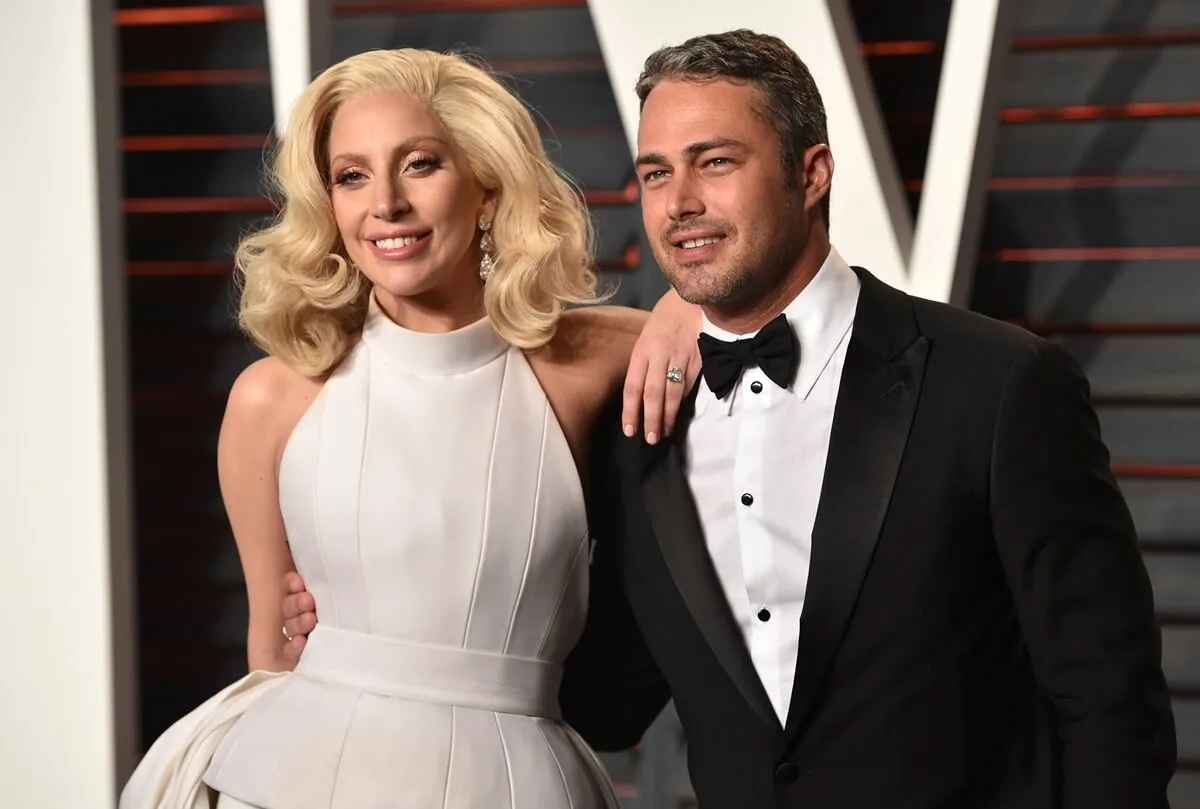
266	385
622	322
602	337
267	400
584	364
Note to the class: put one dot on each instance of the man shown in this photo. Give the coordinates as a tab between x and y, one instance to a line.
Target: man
881	562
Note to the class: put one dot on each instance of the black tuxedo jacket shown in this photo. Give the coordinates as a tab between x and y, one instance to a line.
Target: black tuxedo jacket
979	628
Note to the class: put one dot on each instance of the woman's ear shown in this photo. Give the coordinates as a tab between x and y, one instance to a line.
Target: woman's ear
490	200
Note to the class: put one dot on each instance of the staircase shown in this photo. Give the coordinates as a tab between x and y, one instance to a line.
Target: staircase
1090	238
1093	239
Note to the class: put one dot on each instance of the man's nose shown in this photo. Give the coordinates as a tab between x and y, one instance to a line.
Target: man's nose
683	201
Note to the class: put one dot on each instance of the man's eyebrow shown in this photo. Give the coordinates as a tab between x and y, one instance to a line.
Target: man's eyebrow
691	150
652	159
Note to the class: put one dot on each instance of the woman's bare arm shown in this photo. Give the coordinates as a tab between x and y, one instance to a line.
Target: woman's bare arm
264	406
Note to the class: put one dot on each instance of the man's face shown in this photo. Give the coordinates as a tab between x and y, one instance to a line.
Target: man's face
724	220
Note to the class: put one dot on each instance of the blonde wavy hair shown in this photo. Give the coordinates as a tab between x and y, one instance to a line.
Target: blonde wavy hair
303	302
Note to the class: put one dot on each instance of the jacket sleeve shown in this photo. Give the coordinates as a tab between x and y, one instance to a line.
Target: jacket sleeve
612	690
1070	553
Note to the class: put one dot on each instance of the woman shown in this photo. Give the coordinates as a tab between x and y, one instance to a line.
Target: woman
413	445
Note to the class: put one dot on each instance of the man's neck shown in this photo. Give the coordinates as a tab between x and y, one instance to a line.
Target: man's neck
752	315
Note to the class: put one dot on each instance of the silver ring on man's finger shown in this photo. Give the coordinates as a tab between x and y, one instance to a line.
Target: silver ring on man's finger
287	634
675	375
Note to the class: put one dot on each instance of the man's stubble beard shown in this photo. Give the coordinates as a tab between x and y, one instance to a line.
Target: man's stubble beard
752	272
738	283
709	285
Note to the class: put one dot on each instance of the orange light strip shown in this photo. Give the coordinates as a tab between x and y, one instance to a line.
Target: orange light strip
1133	39
189	78
188	15
625	195
1140	329
629	260
155	205
1089	112
192	143
1041	254
450	6
149	205
193	78
902	48
1080	181
1160	471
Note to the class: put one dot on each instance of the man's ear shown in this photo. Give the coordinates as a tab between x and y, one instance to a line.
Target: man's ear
816	174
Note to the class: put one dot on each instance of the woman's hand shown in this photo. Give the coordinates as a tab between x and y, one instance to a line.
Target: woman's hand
667	344
299	616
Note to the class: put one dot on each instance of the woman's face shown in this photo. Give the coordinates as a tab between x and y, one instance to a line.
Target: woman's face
407	205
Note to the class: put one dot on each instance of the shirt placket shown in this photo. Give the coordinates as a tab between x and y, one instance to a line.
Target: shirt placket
755	394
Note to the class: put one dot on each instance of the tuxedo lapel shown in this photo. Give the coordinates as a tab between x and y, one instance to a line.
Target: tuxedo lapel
880	385
676	525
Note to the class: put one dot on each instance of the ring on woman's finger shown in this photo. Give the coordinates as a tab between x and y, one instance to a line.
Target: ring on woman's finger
675	374
287	634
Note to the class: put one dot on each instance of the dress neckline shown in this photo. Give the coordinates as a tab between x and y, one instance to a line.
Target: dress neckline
431	354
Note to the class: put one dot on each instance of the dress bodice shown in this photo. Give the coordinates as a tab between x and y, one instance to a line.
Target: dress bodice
430	495
434	509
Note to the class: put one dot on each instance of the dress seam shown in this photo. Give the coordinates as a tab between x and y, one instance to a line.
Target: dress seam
358	519
487	503
449	759
512	789
558	765
318	517
533	532
562	593
337	768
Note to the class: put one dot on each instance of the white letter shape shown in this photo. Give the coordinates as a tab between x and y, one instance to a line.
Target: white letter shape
870	218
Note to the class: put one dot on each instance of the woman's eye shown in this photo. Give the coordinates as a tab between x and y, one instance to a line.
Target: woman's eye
350	176
422	164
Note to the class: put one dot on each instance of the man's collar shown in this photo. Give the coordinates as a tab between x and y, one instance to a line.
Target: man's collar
821	316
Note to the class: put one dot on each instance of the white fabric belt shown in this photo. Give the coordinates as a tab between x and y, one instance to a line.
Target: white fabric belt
428	673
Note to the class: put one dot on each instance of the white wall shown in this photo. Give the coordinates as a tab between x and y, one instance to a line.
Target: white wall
66	729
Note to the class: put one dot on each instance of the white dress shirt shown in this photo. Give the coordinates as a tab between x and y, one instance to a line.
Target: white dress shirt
755	462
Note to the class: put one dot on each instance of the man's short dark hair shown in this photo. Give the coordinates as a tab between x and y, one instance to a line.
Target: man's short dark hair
790	101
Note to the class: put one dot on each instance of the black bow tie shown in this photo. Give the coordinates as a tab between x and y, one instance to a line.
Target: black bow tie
773	350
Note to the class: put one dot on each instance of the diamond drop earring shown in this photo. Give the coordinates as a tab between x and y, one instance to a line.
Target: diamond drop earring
487	246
